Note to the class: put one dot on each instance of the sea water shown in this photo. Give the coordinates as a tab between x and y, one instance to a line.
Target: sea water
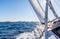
9	30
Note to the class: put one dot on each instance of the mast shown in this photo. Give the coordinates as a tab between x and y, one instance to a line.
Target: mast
40	14
43	17
46	19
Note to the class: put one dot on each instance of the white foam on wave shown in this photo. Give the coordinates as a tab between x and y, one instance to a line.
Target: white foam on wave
35	34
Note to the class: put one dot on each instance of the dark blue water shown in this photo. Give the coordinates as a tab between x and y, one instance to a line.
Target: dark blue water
8	30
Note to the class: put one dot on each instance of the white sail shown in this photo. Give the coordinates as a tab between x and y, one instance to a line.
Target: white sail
39	12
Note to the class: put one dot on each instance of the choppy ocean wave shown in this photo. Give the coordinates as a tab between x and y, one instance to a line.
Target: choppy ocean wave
8	30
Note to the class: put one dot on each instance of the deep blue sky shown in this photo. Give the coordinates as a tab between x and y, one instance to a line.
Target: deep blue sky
20	10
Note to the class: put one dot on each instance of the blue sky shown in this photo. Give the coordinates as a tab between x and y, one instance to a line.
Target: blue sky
21	10
15	10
